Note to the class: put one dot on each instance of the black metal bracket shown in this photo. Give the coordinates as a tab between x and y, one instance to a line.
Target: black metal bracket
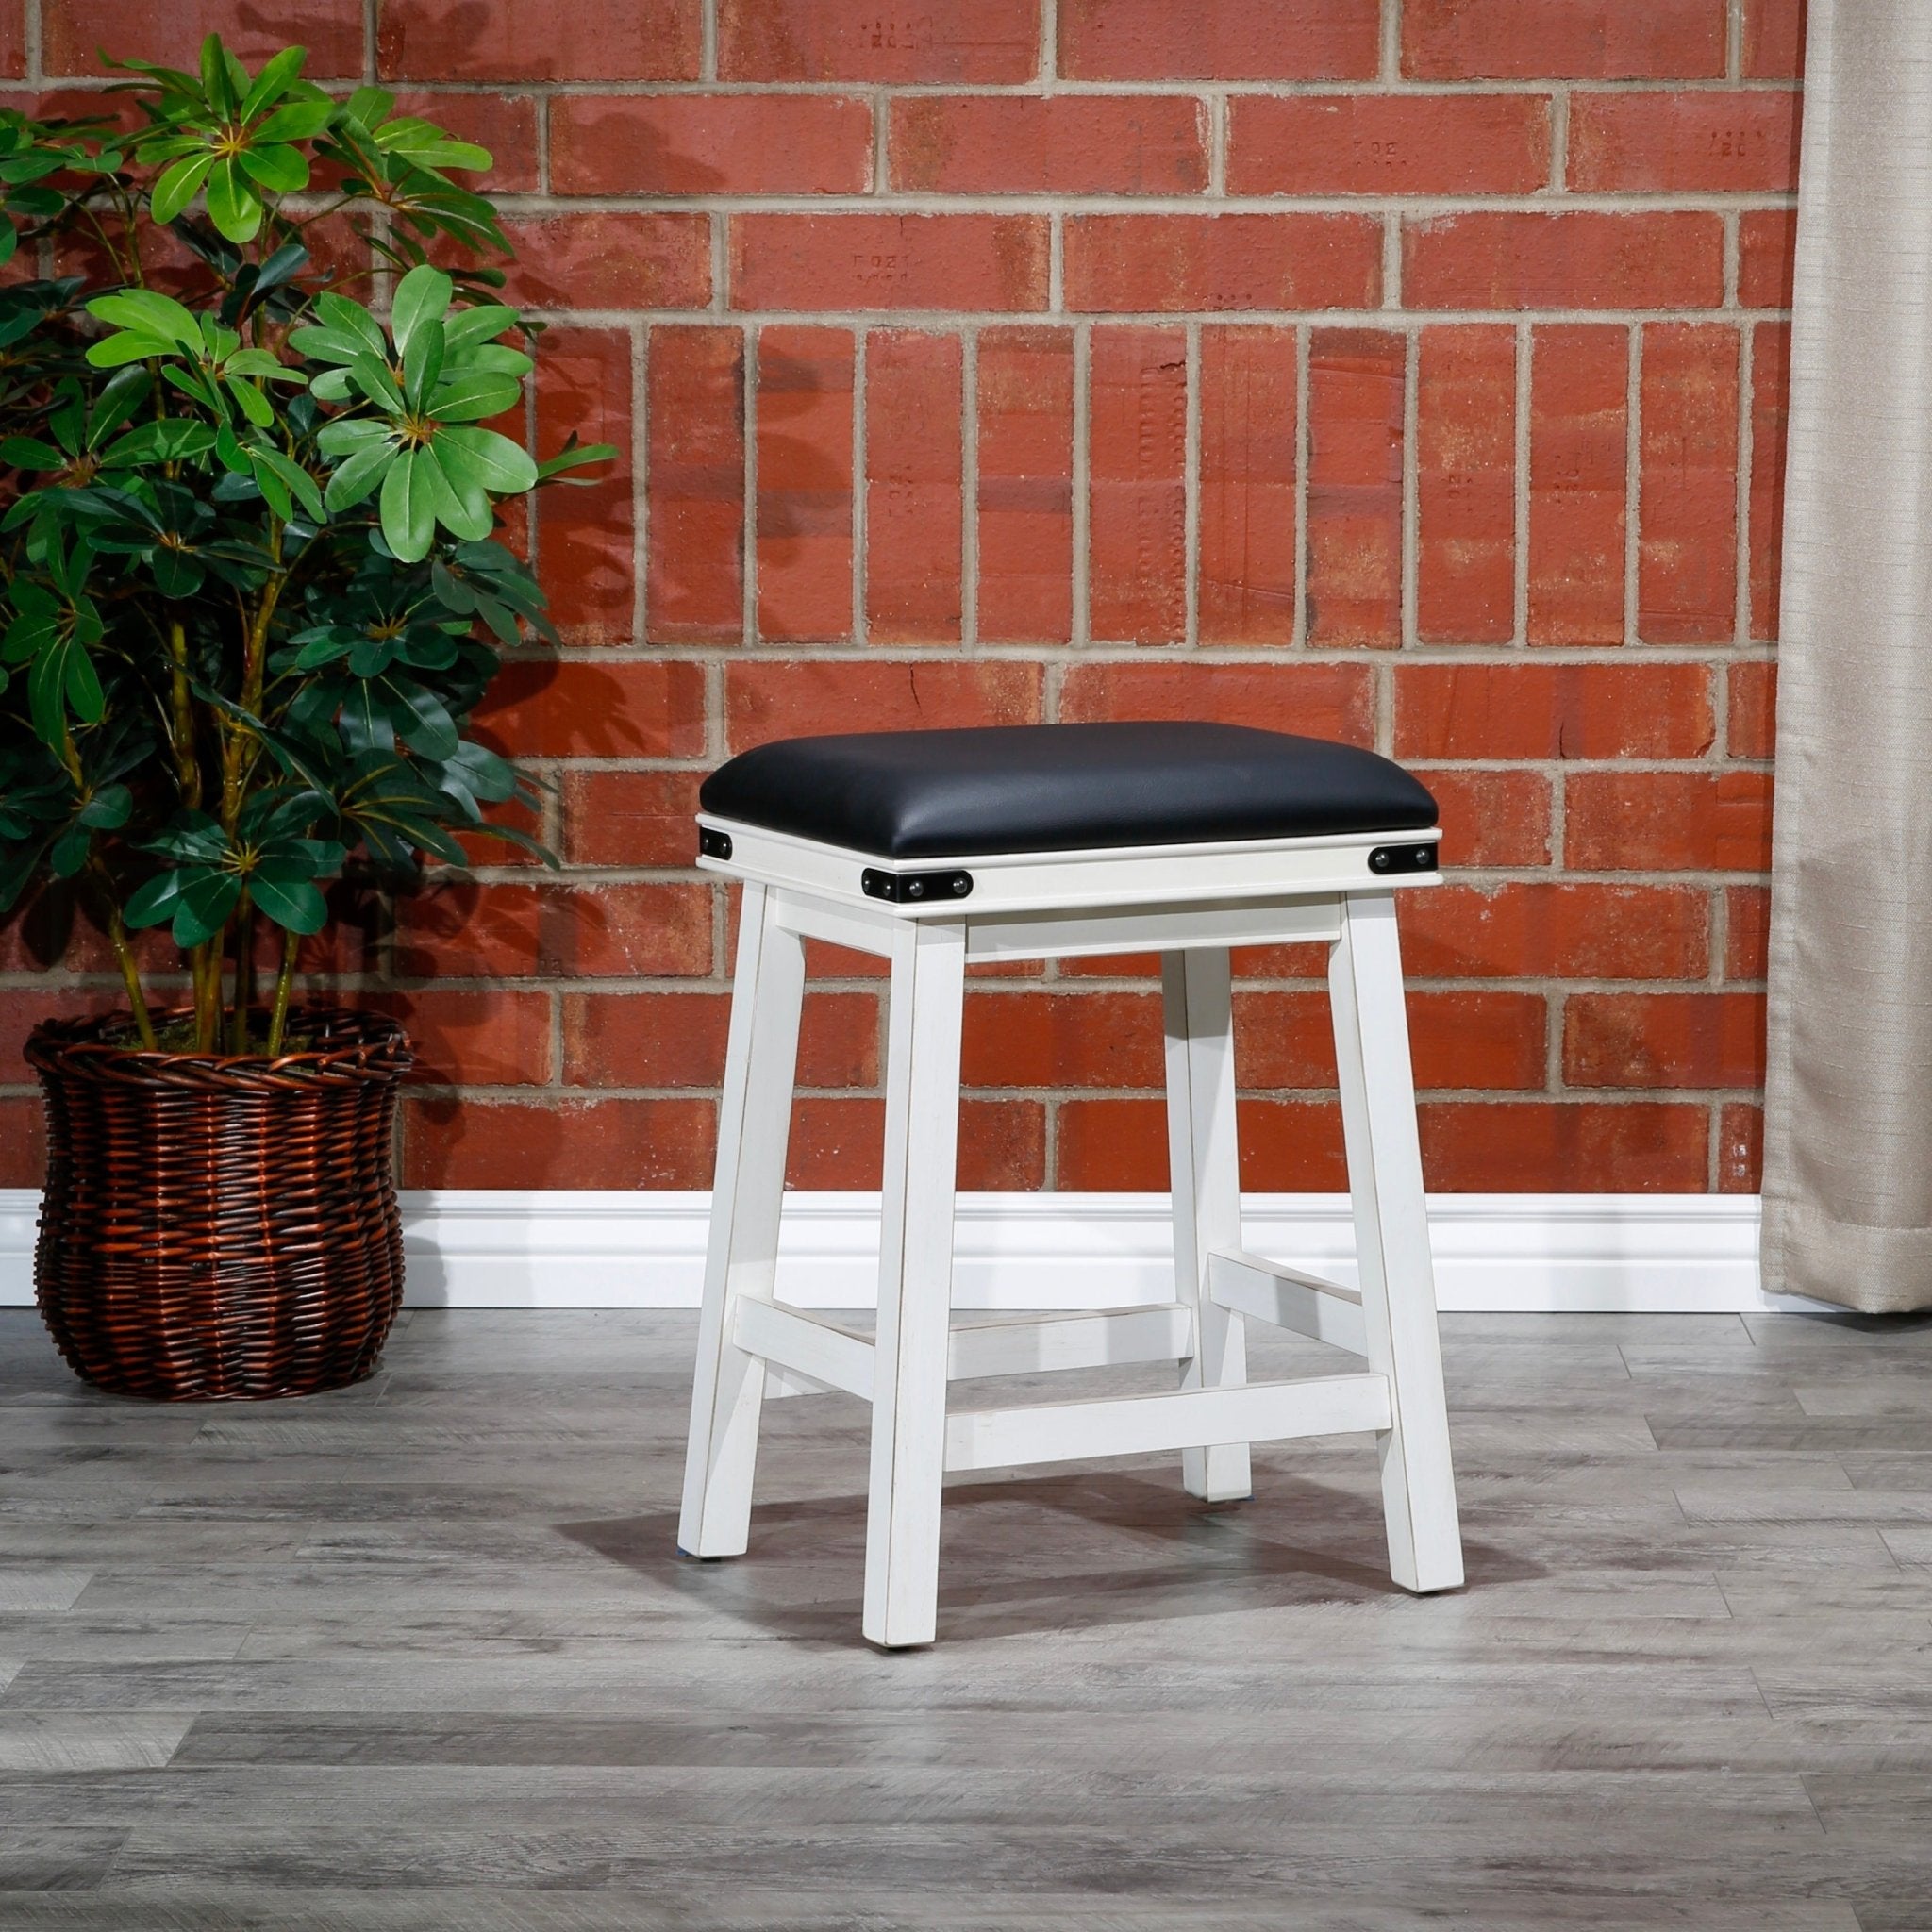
1403	858
714	844
900	886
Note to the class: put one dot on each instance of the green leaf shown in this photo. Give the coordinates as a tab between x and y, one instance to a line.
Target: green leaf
217	76
280	169
166	440
108	809
69	852
461	507
206	900
469	397
360	474
298	907
294	479
574	456
148	313
338	438
409	506
369	104
253	404
84	691
233	206
419	716
423	294
328	344
116	352
23	453
298	120
153	902
473	325
121	395
501	466
423	361
273	82
351	319
178	187
376	382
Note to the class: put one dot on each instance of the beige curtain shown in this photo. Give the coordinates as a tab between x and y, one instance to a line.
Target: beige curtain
1848	1126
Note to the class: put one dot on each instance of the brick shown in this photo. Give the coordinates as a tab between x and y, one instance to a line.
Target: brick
1571	930
1048	145
609	261
1286	1145
1563	40
23	1008
1766	238
525	40
543	708
504	124
1579	483
1492	818
1136	440
1704	144
1771	383
1663	1039
1748	932
1025	443
584	546
694	581
1062	1039
805	483
1245	590
1356	385
1219	40
494	1039
1666	820
836	1143
1318	700
1466	485
1687	548
677	1039
1739	1148
765	700
470	930
1651	259
1388	144
897	261
1552	711
1461	1040
22	1141
74	33
914	499
940	42
1538	1146
1774	40
562	1143
1159	263
13	40
629	817
749	143
1752	732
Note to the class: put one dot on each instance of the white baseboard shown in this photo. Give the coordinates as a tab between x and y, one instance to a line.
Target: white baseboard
1694	1254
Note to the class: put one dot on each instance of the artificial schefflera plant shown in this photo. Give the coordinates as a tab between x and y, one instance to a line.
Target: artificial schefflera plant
254	582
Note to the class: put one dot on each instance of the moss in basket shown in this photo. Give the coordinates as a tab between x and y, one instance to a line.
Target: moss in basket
254	585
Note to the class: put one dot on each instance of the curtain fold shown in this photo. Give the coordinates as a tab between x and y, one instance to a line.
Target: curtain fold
1848	1101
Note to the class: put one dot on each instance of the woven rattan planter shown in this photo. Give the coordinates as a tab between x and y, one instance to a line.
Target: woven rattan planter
219	1229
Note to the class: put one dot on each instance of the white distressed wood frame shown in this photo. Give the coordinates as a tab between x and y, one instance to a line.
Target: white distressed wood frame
1192	904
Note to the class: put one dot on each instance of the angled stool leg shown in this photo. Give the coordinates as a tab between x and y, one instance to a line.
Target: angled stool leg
754	1125
1385	1174
1204	1175
908	1404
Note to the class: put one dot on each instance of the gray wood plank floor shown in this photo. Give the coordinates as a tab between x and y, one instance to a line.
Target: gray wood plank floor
419	1655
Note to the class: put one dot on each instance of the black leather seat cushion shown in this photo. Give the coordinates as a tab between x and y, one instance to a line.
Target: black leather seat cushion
1050	787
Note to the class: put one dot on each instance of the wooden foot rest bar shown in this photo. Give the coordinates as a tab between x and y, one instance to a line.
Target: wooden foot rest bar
1180	1419
807	1354
1273	1292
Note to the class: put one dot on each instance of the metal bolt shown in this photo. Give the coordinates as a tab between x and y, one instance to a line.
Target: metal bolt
915	890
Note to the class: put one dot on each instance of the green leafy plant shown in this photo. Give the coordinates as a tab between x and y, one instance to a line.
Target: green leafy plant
254	586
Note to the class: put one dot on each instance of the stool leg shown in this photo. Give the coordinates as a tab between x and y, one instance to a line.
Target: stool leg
1204	1175
909	1404
754	1125
1385	1174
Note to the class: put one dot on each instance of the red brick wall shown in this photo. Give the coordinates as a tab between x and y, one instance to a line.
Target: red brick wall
1408	370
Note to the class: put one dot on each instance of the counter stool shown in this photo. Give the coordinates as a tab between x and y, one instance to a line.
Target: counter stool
935	848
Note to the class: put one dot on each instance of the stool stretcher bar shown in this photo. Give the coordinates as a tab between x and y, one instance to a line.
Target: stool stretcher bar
1286	1298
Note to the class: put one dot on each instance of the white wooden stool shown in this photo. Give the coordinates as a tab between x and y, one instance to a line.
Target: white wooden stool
935	848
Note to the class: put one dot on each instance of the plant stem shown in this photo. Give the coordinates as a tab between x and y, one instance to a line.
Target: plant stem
206	962
285	982
130	972
244	974
187	766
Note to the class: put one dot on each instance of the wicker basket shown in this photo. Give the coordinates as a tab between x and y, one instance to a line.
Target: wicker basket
220	1229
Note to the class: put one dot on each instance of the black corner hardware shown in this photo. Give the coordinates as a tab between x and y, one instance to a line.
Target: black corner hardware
902	888
714	844
1389	858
